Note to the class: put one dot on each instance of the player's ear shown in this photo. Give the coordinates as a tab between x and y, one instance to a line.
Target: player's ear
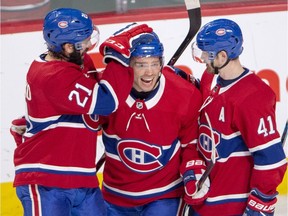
223	56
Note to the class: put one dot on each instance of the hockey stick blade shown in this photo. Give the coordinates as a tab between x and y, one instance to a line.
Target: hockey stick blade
194	14
284	134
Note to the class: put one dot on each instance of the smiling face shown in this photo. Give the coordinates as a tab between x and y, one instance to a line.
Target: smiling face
146	72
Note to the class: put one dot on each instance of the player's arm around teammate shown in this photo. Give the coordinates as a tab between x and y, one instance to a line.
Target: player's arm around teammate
150	141
55	172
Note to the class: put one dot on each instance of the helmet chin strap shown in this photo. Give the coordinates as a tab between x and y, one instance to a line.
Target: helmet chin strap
216	69
158	79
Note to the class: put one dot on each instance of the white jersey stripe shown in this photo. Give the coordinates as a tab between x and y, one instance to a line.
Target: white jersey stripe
56	168
147	192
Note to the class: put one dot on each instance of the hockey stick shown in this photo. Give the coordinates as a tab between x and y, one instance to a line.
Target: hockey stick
100	162
188	211
213	157
213	154
284	134
194	13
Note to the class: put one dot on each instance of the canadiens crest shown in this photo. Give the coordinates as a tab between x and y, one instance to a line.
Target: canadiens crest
205	141
140	156
91	122
63	24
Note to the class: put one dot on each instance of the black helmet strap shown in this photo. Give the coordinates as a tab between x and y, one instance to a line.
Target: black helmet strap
216	69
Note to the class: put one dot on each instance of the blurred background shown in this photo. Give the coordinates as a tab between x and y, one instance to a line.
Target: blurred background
21	10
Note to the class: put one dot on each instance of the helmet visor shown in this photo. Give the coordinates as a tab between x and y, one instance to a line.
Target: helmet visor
200	56
91	42
95	37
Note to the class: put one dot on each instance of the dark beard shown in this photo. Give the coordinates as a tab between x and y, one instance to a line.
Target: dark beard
75	57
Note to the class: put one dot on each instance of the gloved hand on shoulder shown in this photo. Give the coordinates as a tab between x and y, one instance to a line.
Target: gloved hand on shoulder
118	46
260	204
192	173
186	76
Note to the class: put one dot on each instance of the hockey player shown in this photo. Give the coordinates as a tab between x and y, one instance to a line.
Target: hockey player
238	115
150	138
55	165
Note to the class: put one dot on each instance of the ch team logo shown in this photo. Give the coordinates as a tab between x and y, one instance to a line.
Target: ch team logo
221	32
140	156
205	141
63	24
91	122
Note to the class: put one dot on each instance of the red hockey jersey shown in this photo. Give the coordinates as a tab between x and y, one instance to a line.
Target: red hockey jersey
248	149
59	151
146	140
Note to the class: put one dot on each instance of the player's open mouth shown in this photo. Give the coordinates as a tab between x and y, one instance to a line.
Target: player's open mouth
147	80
